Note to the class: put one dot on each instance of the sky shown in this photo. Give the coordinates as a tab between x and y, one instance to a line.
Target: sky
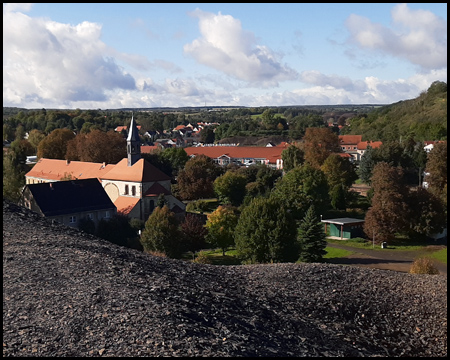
144	55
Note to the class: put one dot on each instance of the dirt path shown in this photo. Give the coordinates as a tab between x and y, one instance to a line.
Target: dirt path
385	259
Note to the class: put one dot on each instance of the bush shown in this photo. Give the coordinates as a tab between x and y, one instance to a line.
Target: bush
202	258
423	265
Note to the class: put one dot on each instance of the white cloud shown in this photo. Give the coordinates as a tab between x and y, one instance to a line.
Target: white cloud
9	7
56	63
226	47
416	35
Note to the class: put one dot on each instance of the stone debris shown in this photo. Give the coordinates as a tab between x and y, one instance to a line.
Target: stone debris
67	293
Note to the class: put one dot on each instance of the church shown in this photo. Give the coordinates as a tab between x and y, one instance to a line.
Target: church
133	184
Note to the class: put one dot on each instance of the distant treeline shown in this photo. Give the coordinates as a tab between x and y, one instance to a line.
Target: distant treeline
423	118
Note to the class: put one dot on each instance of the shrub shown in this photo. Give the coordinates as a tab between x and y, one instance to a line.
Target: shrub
423	265
202	258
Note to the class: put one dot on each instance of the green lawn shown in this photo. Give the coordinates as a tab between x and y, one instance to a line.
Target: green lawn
230	258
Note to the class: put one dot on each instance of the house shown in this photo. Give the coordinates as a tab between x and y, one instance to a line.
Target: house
344	228
133	184
242	155
355	147
69	201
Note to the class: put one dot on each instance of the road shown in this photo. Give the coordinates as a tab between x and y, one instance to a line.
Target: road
397	260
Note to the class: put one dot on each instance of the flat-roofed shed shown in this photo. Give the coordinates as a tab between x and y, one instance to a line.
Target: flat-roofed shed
344	228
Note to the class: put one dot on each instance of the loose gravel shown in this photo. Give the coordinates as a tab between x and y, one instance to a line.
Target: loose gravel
67	293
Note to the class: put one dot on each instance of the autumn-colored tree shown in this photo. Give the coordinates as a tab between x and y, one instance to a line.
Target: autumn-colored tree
221	224
161	233
196	179
319	143
292	156
54	145
301	187
389	212
436	170
266	233
311	237
230	188
193	231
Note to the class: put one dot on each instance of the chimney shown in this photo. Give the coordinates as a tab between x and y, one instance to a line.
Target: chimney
67	162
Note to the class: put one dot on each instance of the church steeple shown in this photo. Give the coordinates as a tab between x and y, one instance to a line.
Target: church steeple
133	143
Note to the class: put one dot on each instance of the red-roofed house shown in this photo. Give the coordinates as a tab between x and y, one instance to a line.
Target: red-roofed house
133	184
242	155
354	146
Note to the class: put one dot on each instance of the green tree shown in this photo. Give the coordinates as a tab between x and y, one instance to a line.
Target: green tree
196	179
339	171
230	188
13	177
366	165
207	135
221	224
87	225
54	145
427	214
161	233
266	233
117	230
177	158
35	137
301	187
162	201
20	133
292	156
312	238
436	170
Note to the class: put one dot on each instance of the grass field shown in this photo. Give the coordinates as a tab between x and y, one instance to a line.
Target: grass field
230	258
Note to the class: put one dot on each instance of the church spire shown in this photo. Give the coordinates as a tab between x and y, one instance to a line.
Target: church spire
133	143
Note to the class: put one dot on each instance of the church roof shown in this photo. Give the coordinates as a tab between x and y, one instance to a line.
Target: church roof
140	171
125	204
156	189
54	169
133	134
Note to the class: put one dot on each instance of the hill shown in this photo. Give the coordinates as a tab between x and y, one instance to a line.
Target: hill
67	293
424	117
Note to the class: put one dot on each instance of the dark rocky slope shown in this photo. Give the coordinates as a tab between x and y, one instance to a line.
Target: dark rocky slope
66	293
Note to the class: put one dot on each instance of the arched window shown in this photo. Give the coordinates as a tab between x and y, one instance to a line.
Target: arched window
126	189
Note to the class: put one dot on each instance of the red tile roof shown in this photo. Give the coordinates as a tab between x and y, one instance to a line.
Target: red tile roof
350	139
247	152
141	171
125	204
156	189
373	144
54	169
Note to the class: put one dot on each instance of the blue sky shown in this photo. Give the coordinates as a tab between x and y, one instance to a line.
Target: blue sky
116	55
